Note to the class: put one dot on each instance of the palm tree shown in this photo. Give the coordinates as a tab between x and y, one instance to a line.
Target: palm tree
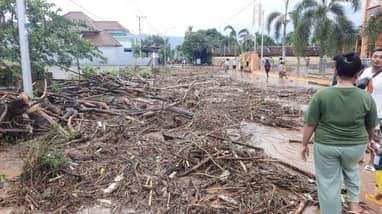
279	19
327	23
299	38
238	38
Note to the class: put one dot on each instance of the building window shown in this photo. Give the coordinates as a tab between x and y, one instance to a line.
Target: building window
118	34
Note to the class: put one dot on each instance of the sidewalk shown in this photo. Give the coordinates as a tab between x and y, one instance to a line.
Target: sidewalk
308	79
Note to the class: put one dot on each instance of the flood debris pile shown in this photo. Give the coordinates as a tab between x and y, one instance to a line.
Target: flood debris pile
150	145
225	101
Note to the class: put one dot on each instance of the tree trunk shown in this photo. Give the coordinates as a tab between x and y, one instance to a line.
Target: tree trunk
298	66
284	30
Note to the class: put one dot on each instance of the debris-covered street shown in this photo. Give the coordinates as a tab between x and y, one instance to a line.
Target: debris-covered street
170	142
138	106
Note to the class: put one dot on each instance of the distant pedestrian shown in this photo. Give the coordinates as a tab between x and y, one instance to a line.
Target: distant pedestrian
226	65
183	62
234	64
267	67
242	64
282	70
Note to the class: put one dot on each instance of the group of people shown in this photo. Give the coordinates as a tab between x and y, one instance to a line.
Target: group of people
281	70
346	120
234	63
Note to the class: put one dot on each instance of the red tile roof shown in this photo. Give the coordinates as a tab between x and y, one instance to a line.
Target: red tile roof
110	26
80	16
102	39
97	34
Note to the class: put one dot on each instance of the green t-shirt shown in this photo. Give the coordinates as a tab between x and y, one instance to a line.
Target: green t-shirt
341	116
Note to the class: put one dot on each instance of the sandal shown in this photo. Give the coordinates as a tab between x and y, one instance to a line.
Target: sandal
370	168
372	198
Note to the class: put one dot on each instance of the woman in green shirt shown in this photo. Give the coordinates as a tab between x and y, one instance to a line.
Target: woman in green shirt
342	119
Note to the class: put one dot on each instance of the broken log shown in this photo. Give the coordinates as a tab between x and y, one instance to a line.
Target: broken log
14	108
181	111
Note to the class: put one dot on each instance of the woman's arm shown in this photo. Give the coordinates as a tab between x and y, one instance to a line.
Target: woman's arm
371	147
307	135
371	133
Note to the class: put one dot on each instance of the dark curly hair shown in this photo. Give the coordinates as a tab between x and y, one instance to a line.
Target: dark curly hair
348	65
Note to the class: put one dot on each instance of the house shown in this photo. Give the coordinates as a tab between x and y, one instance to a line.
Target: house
112	39
371	7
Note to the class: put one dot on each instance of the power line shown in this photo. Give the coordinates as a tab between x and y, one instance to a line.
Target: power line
140	17
86	10
236	14
152	26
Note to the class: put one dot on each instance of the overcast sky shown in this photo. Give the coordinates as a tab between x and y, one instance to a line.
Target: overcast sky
172	17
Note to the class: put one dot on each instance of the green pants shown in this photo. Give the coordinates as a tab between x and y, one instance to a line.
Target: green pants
331	164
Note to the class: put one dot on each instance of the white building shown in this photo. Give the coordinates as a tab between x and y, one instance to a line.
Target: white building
112	39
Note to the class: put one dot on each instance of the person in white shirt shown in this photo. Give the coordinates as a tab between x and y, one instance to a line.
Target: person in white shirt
226	65
282	70
374	87
234	64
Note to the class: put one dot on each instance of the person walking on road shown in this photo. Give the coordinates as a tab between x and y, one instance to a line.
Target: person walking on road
282	70
226	65
242	64
267	68
342	119
234	64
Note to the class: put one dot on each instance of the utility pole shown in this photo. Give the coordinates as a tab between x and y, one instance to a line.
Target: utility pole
24	48
262	37
253	26
140	34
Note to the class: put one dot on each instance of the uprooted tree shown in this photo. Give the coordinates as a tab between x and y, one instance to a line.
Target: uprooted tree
53	40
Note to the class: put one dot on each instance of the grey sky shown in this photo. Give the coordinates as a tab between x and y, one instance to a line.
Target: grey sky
172	17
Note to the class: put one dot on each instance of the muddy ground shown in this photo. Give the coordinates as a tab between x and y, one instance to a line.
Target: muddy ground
190	140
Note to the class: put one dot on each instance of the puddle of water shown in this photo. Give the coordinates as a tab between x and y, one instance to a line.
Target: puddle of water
275	142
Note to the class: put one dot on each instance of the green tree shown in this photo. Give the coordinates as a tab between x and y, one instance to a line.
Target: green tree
328	25
53	39
299	38
154	43
215	40
279	20
202	44
195	46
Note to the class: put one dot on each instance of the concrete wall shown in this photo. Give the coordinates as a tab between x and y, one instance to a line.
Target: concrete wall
117	57
61	74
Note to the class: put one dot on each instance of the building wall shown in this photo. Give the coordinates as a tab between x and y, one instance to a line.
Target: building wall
61	74
117	56
369	7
